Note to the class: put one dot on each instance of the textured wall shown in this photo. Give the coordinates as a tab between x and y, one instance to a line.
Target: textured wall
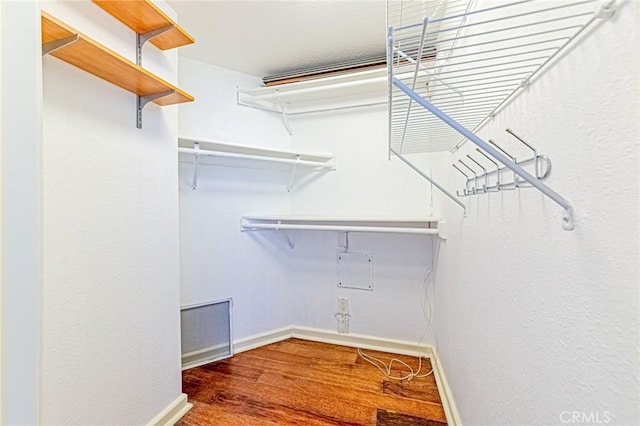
111	348
533	321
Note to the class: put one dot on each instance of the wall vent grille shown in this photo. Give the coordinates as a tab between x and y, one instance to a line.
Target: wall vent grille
206	332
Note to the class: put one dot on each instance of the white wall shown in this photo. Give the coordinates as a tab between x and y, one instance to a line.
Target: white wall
21	212
365	184
111	344
533	321
217	261
273	285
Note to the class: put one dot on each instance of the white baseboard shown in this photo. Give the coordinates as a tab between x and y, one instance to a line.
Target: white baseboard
446	396
262	339
172	412
360	341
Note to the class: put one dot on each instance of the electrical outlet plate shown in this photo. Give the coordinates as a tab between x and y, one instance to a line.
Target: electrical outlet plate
355	270
343	305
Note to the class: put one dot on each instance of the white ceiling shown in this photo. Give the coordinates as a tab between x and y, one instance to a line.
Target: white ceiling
271	36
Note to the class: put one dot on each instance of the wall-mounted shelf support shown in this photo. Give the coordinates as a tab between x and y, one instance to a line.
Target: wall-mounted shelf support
287	237
567	219
54	45
141	39
196	160
285	118
430	180
293	174
143	100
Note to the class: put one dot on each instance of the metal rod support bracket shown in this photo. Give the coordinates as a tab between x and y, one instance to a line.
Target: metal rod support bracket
196	158
143	100
430	180
293	174
606	9
287	237
285	118
57	44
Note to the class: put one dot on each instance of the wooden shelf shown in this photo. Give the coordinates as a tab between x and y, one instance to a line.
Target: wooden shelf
142	16
102	62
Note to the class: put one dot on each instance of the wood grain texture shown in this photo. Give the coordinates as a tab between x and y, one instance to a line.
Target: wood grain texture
389	418
91	56
298	382
143	16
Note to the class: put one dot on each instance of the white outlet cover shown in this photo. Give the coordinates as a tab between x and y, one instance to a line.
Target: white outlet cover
355	270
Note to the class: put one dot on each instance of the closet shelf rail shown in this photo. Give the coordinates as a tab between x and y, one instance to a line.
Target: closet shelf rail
218	150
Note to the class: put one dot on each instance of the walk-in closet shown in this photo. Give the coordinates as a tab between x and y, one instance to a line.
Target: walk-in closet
323	212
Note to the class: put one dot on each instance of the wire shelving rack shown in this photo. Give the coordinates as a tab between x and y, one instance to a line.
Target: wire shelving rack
469	63
452	67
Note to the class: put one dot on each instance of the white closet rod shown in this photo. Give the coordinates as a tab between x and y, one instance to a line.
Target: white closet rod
221	154
389	230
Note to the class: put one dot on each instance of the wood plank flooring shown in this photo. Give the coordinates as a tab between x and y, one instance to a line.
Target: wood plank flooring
299	382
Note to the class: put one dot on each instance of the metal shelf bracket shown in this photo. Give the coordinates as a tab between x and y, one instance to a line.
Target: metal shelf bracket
143	100
430	180
285	118
141	39
293	174
196	158
57	44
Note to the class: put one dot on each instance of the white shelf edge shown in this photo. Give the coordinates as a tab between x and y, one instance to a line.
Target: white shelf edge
352	90
318	83
383	219
220	154
220	148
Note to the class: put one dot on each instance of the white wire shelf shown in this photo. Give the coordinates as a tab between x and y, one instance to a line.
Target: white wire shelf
349	90
395	225
470	63
220	153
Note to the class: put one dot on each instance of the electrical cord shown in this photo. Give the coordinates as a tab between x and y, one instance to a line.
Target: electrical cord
386	369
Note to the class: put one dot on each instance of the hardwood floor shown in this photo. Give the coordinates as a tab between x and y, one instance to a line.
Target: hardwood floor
299	382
